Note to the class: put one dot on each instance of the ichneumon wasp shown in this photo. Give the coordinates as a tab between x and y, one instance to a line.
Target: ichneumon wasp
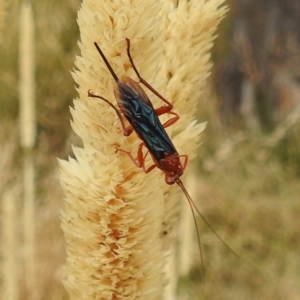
135	105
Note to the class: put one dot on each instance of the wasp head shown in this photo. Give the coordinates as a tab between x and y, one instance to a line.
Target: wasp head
172	167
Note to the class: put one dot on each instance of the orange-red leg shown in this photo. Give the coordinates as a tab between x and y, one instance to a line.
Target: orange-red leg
186	158
139	161
172	120
126	130
161	110
144	82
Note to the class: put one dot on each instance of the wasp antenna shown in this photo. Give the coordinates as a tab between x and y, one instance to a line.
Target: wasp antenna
192	204
199	241
107	63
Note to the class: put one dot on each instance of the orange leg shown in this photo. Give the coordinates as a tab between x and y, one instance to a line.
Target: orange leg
139	161
186	158
126	130
161	110
172	120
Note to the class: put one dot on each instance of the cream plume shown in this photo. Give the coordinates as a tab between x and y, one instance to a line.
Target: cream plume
114	212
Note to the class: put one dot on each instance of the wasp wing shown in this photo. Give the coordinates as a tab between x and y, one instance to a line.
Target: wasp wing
140	113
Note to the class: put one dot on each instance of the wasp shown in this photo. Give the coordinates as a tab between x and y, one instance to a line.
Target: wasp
137	108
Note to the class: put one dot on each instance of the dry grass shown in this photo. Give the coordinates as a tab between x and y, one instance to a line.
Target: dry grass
252	199
248	189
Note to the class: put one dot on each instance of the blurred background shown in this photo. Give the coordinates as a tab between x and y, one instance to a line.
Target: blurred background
248	165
